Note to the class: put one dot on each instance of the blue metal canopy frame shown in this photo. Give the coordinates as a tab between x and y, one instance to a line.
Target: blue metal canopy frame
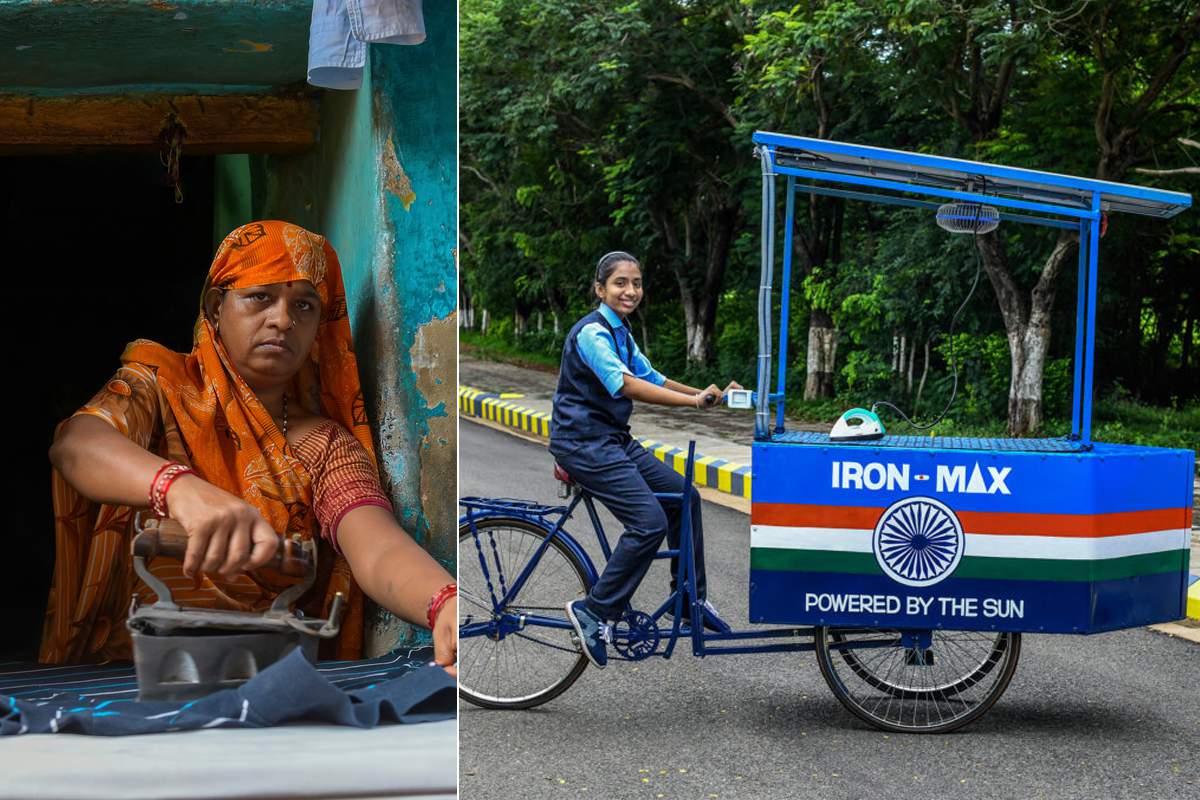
881	175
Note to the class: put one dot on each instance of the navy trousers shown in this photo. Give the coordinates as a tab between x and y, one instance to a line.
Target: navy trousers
623	476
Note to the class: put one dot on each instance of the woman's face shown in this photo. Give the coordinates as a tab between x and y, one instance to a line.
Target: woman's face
623	290
267	330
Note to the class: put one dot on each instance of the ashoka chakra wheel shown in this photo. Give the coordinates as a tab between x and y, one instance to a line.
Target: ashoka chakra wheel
918	541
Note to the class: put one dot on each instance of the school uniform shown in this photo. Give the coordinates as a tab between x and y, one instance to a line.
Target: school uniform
590	439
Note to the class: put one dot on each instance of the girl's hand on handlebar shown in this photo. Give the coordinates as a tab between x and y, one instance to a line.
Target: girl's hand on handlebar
226	535
707	398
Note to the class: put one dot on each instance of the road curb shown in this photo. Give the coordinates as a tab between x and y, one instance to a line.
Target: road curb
1193	597
718	474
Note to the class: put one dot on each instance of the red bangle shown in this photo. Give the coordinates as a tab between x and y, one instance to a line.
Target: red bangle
438	600
166	475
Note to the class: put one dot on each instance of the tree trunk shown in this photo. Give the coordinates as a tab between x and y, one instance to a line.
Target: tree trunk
700	288
1028	351
912	354
1185	356
1027	326
822	354
698	318
484	323
924	375
821	247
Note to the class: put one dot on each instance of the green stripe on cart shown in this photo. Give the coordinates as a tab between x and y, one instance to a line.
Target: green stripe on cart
1034	569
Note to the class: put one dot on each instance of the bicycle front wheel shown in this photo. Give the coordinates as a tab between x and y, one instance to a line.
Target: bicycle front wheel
508	663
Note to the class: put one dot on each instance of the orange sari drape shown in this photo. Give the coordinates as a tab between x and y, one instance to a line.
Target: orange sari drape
194	408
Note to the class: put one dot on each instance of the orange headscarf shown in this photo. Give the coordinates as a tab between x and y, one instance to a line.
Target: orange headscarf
217	425
232	440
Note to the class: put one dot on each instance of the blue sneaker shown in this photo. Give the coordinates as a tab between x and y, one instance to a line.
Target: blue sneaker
594	633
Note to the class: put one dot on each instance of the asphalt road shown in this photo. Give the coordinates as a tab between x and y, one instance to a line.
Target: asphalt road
1109	716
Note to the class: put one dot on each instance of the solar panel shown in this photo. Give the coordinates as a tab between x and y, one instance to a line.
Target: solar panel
927	174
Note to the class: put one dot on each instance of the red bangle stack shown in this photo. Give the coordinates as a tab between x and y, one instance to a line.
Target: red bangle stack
438	600
166	475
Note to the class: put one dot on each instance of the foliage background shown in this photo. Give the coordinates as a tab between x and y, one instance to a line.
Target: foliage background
588	127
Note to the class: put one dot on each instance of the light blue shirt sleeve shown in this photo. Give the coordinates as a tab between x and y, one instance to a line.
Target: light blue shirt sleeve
598	350
643	369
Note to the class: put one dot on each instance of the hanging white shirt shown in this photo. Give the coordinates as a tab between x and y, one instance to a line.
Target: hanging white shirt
342	29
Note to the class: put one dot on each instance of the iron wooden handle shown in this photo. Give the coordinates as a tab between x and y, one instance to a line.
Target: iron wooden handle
166	537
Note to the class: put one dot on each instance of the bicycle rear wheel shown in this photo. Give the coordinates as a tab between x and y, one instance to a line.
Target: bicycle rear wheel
899	688
522	665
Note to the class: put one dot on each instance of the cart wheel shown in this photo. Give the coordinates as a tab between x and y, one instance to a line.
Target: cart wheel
904	689
531	665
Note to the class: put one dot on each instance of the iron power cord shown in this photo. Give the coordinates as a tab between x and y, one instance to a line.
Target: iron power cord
953	361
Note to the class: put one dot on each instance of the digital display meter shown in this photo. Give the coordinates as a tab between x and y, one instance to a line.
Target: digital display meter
739	398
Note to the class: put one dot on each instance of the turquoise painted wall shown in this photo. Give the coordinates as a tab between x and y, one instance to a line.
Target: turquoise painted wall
76	47
381	185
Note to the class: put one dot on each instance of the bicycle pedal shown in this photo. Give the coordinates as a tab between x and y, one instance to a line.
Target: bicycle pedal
575	641
914	657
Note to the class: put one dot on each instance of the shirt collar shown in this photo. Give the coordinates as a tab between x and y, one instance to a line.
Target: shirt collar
613	317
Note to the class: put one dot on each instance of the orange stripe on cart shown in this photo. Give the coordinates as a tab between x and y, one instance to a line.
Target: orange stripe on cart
993	522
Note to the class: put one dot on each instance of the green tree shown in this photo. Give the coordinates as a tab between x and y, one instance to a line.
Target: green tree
1122	73
810	69
562	100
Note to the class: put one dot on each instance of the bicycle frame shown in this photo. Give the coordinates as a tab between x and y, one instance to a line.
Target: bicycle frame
503	593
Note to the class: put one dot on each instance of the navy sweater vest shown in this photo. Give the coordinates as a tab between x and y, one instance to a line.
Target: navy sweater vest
583	408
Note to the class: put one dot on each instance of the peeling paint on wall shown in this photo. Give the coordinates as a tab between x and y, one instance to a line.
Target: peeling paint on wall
395	179
434	357
251	47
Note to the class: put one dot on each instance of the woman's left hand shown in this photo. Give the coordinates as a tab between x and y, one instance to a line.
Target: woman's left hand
445	636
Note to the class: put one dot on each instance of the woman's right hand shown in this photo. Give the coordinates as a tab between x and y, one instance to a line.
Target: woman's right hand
707	398
226	535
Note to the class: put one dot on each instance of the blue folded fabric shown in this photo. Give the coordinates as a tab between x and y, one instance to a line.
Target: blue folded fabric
290	690
342	29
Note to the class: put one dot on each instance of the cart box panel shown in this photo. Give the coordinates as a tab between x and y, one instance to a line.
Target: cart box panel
979	535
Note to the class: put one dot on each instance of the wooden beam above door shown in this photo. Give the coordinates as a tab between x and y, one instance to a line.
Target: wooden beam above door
214	123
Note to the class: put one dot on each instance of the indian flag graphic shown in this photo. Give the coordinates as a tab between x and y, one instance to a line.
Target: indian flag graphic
1074	542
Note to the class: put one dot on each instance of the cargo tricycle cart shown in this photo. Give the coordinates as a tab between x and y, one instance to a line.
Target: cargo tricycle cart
911	565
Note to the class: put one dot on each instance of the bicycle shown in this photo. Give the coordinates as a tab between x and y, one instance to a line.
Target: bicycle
519	566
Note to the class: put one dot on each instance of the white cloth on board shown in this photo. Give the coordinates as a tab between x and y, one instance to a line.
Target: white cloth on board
342	29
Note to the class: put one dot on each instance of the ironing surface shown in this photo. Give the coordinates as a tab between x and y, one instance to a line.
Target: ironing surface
398	687
1060	445
315	762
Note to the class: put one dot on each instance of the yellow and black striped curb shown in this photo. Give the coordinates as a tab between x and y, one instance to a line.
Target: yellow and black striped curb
1193	597
715	473
490	406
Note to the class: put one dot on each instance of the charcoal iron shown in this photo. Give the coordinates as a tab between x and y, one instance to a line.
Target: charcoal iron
182	653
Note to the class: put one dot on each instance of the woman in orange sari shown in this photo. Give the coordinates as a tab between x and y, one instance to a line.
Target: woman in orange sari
259	429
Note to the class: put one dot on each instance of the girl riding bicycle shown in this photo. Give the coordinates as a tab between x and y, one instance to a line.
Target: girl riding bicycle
602	373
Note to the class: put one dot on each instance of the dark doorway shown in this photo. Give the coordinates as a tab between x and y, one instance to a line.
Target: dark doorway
100	254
